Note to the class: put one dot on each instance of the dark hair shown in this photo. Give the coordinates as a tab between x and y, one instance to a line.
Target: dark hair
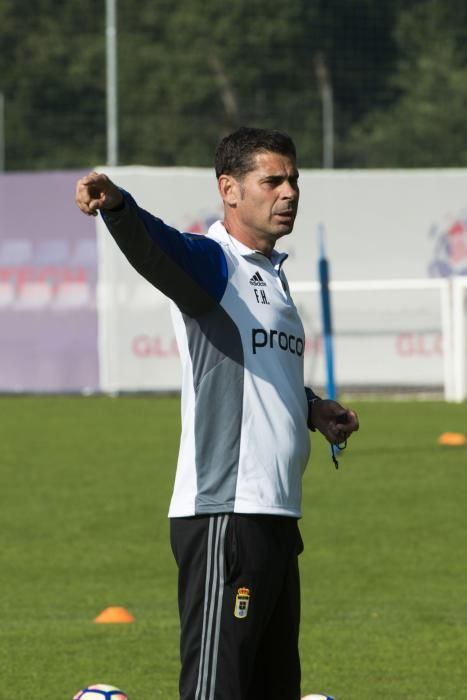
235	153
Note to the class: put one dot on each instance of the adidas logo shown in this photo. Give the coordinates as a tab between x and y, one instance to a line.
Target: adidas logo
257	280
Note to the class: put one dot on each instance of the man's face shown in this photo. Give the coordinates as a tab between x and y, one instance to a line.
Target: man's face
268	201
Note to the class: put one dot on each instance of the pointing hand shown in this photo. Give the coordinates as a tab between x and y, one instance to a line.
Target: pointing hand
96	191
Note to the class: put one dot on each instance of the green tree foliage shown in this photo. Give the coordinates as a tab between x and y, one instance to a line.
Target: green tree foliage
208	67
51	57
192	70
425	124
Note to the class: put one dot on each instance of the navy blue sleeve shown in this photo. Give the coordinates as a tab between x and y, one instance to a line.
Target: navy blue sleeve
200	257
191	269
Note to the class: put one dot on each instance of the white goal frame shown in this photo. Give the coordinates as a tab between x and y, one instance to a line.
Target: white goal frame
458	306
453	311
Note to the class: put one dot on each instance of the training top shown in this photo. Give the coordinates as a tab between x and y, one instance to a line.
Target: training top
244	443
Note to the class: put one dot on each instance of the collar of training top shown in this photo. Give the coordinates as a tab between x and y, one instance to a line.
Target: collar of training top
219	233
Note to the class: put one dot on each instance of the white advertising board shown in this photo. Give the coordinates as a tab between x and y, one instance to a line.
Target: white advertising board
379	225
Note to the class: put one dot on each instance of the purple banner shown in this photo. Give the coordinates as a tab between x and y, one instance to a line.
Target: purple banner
48	269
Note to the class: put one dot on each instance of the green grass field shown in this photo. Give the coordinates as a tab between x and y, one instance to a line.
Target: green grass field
85	486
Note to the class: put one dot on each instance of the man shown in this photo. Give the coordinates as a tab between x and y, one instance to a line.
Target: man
246	414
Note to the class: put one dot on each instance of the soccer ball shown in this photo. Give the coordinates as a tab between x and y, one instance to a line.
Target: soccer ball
100	692
317	697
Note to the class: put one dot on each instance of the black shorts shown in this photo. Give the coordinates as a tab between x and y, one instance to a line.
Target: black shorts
239	603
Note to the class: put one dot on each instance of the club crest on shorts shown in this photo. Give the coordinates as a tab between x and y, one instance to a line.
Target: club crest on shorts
242	602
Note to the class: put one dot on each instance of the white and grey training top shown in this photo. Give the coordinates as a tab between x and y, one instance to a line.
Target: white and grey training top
244	442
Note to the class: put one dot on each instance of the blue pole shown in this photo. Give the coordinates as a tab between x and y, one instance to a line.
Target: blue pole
323	270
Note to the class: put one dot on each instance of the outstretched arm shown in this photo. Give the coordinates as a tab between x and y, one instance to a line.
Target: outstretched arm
189	269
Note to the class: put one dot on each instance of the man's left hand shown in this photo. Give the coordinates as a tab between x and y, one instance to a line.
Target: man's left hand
334	421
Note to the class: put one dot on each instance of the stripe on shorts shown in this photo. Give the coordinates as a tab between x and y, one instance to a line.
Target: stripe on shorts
213	594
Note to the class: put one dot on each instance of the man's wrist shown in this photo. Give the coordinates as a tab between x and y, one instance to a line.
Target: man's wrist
312	398
116	207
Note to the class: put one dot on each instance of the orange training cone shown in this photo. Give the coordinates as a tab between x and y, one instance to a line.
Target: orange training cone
110	615
452	439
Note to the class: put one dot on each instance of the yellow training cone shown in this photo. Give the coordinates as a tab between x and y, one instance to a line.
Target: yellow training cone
452	439
110	615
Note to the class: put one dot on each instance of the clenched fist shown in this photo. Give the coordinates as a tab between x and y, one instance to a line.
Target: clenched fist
334	421
96	191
